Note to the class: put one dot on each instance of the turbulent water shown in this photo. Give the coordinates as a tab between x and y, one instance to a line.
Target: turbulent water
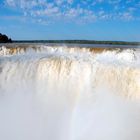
69	93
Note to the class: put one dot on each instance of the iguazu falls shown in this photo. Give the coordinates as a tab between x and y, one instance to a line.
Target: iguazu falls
60	92
69	69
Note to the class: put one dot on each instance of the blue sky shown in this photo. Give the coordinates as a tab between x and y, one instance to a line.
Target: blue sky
71	19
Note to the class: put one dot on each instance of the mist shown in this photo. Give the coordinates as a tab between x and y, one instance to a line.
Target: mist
60	93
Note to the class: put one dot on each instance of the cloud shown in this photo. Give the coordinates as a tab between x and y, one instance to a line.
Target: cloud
71	10
126	16
70	1
11	3
114	2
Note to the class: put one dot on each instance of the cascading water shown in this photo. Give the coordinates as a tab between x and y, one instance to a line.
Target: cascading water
69	93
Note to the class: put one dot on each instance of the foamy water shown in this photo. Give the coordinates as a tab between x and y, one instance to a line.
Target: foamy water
69	93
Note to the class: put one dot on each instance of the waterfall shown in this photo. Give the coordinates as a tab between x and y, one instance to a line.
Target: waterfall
69	93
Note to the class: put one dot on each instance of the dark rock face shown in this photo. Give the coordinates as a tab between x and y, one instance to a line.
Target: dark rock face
4	39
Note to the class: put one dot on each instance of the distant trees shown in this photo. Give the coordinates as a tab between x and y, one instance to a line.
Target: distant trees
4	39
79	42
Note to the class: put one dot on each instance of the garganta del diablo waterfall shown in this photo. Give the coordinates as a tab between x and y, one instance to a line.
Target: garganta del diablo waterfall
69	93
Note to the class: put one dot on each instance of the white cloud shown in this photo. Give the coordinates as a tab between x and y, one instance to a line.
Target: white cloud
126	16
83	11
114	2
59	2
11	3
70	1
50	11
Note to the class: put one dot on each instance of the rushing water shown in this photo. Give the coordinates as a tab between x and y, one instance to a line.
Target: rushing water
69	93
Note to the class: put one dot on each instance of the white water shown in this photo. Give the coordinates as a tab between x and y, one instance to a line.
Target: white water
60	93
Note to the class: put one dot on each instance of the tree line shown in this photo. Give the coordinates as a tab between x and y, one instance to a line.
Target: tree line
4	39
80	42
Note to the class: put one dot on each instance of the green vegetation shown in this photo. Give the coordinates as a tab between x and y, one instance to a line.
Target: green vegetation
4	39
79	42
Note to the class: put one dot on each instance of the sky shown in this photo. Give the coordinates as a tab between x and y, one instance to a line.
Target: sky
117	20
